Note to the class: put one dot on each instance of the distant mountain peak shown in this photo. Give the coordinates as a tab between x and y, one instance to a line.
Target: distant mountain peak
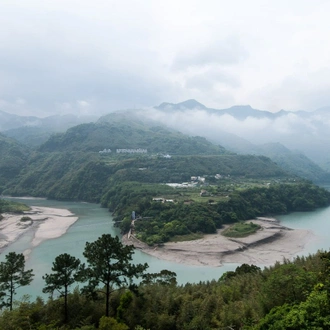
188	104
192	104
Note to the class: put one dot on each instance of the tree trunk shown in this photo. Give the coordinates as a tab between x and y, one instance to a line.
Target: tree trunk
66	304
107	298
11	294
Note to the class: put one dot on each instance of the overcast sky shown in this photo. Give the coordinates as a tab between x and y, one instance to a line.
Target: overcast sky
82	56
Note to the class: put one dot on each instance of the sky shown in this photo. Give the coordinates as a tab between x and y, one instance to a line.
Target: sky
95	57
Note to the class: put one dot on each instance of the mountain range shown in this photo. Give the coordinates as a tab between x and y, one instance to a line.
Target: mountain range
297	141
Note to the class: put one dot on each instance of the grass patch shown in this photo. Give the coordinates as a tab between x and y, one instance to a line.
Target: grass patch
15	207
241	229
188	237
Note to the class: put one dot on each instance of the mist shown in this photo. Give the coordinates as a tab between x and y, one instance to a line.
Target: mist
305	132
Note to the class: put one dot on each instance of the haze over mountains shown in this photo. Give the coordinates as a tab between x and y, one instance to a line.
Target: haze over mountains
33	130
297	141
307	132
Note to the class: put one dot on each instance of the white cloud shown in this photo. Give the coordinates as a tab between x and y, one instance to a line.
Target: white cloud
129	54
223	52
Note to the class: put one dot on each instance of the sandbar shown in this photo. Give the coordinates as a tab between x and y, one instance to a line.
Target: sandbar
45	222
272	243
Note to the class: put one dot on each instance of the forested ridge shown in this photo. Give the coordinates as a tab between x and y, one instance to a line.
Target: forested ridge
97	136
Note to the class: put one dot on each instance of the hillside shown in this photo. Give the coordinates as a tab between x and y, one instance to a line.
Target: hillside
104	135
12	160
294	162
30	135
291	161
244	130
86	175
69	165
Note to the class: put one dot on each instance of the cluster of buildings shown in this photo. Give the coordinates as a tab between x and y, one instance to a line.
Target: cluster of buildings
163	200
125	151
197	179
131	151
105	151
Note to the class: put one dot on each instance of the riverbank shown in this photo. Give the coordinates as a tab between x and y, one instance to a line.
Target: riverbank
273	242
45	222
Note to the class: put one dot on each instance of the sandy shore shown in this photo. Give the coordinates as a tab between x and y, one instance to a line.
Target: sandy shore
271	243
46	223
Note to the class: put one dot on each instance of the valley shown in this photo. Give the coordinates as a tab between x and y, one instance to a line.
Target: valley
181	192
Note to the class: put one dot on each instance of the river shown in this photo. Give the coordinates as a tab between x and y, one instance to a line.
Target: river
94	221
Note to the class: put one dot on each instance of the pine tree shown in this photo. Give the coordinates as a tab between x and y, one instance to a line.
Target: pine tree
66	270
12	276
109	263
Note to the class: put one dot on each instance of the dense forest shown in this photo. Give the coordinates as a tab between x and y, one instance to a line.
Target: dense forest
289	295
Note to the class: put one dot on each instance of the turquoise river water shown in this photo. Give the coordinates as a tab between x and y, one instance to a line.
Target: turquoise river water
94	221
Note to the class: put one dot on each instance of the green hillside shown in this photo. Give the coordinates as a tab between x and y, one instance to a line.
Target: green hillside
29	135
85	175
291	161
99	136
12	159
69	166
294	162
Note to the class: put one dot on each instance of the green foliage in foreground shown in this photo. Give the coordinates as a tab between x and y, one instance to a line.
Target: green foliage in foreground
109	262
288	295
241	229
